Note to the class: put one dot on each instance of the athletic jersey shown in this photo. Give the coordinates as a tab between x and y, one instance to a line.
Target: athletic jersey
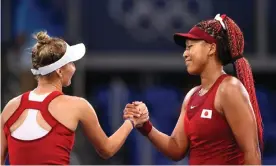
211	139
30	144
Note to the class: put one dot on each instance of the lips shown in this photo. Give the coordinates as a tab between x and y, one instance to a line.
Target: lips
188	61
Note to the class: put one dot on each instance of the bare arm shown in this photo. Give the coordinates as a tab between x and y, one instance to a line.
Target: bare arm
105	146
240	116
176	145
5	115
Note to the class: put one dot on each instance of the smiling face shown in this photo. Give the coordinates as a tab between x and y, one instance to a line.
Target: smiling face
197	54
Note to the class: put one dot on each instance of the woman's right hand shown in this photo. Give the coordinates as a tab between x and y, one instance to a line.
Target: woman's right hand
137	112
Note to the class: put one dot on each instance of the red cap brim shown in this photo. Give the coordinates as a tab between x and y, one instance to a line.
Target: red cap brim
195	34
180	38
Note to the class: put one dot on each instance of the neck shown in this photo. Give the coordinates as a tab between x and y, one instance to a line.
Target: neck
46	86
210	75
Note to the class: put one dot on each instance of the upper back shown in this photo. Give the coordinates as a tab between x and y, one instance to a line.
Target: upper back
61	107
43	125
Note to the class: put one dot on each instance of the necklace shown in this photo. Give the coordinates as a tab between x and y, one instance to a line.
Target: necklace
202	92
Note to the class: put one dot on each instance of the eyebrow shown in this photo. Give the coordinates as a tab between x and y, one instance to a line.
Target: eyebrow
188	42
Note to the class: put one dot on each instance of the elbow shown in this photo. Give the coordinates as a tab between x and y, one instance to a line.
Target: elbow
177	153
252	155
177	158
105	156
105	153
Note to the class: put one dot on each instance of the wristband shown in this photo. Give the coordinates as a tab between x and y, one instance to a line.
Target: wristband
133	126
146	128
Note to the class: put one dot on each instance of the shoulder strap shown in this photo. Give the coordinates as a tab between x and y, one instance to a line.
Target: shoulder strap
25	103
213	91
44	108
19	110
22	106
218	82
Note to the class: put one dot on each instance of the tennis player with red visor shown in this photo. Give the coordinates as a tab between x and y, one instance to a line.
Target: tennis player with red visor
220	121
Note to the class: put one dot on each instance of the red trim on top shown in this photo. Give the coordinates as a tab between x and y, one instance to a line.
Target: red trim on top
18	111
44	108
25	103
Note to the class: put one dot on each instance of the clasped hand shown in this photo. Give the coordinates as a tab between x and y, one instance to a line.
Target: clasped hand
137	112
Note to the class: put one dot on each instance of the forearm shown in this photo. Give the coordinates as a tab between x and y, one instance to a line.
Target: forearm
252	158
116	141
165	144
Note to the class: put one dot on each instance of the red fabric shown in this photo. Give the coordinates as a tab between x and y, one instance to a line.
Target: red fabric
211	139
196	34
54	148
146	128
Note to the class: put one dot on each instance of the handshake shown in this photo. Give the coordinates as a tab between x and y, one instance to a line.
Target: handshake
137	113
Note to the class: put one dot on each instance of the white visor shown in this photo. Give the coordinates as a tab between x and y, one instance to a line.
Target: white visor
73	53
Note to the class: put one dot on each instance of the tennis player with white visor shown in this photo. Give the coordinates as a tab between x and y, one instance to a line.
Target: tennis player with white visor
72	54
38	127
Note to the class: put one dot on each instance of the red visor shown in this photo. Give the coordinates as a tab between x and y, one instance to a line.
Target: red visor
196	34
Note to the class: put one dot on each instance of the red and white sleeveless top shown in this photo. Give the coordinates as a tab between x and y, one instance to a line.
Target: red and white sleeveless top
53	147
211	139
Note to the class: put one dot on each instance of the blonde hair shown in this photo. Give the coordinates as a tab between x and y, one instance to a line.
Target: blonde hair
47	50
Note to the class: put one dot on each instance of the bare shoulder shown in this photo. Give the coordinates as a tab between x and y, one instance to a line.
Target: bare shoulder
69	98
71	101
231	87
10	108
78	106
78	103
85	109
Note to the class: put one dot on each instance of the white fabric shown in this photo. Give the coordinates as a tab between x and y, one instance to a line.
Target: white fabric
220	20
30	129
72	53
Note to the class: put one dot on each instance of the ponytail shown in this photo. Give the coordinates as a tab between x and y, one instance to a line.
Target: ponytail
243	70
244	74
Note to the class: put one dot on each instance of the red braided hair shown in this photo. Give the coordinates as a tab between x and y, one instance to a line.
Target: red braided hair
230	44
243	69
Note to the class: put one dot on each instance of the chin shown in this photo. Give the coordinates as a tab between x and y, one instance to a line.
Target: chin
192	71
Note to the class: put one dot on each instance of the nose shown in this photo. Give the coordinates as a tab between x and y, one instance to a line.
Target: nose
185	54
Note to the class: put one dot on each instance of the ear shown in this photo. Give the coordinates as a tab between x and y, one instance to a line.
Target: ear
212	49
59	73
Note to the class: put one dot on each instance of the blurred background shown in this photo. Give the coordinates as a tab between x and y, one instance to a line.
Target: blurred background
131	56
